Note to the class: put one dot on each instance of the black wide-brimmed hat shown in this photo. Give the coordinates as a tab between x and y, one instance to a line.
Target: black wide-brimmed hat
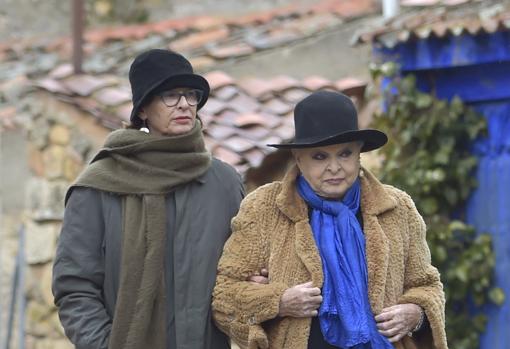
157	70
326	118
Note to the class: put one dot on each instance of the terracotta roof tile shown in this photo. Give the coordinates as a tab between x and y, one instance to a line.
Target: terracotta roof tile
285	132
277	106
315	83
439	30
230	51
219	132
419	2
272	121
197	34
61	71
165	27
351	86
218	79
57	44
182	23
424	18
226	117
454	2
294	95
252	18
84	85
52	85
214	106
249	119
283	82
113	96
237	124
243	103
255	87
312	24
207	22
269	140
202	63
97	37
237	144
226	93
196	40
288	119
291	10
349	9
254	132
226	155
488	26
127	32
254	156
273	38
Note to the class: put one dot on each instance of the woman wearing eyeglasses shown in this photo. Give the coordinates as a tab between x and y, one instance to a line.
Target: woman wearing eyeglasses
146	221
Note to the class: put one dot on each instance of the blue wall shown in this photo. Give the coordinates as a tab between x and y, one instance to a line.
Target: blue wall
477	69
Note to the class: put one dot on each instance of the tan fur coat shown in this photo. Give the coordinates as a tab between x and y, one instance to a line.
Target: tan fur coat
272	231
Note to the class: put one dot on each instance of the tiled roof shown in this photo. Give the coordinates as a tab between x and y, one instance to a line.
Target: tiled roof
207	40
240	117
421	19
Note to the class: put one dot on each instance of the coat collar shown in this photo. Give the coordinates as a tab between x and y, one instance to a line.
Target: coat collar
288	200
375	200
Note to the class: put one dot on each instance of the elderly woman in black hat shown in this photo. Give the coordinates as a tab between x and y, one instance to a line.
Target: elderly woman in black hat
349	266
146	221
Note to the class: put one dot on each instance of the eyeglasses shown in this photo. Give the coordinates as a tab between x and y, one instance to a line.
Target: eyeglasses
171	98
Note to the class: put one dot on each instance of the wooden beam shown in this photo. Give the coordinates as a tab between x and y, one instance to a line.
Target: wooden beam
78	21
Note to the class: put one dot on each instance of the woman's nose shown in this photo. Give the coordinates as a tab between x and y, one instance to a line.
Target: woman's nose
182	102
334	166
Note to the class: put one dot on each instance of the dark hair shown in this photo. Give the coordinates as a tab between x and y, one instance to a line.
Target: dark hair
136	124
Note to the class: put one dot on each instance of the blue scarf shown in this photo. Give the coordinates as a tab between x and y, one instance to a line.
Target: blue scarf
345	315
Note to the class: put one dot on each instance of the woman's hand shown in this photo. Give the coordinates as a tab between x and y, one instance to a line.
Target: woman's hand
397	321
261	277
300	301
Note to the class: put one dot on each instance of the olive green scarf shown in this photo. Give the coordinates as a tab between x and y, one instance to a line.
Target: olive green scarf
143	168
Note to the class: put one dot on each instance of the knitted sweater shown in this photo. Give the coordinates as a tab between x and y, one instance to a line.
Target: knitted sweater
272	231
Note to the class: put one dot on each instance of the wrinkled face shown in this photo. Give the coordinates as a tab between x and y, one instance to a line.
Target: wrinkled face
164	120
330	170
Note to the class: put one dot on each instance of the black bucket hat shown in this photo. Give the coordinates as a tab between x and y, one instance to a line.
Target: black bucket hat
157	70
326	118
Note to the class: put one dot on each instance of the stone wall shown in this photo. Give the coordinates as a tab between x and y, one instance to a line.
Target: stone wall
57	152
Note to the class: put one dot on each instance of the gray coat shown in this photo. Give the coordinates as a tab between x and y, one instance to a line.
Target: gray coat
87	265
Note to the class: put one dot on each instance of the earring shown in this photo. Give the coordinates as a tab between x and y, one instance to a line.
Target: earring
145	128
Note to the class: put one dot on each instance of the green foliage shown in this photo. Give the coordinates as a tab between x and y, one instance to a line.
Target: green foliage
428	156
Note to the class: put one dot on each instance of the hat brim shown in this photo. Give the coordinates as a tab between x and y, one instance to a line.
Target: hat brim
372	139
175	81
